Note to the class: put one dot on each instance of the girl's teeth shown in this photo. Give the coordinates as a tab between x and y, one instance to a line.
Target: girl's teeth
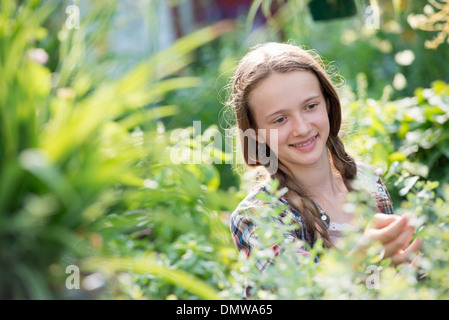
304	144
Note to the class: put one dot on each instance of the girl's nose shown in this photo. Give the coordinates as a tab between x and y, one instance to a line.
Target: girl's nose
301	127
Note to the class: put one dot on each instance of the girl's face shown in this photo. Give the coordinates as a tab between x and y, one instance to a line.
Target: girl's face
292	103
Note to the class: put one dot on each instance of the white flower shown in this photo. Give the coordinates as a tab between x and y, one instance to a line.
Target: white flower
38	55
399	81
404	58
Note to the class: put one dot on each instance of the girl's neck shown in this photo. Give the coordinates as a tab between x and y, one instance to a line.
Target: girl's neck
320	179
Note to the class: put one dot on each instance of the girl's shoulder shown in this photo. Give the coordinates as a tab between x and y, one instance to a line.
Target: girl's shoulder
368	169
259	196
368	177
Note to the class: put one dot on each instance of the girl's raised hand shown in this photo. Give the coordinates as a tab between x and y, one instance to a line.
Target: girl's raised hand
395	234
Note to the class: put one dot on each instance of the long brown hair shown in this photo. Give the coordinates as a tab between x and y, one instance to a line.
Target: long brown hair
254	67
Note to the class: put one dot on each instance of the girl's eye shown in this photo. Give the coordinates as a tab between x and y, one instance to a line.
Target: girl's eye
311	106
279	120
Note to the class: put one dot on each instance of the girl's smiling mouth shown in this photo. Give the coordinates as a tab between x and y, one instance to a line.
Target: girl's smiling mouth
305	145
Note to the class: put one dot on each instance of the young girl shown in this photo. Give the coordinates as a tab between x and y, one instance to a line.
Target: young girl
284	88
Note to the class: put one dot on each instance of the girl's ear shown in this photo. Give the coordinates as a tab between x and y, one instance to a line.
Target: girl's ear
260	138
261	135
254	135
257	134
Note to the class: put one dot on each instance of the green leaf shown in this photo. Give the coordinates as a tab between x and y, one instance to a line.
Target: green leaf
149	266
408	184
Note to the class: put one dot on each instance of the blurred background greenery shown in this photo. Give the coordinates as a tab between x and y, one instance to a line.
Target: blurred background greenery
91	93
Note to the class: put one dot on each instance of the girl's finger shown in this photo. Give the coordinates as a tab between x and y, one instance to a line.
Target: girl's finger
398	243
381	220
405	255
415	246
390	232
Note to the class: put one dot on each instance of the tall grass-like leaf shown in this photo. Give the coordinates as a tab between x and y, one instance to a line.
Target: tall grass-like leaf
148	266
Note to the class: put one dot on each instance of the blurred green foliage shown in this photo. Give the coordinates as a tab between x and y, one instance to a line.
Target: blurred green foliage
87	176
77	170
